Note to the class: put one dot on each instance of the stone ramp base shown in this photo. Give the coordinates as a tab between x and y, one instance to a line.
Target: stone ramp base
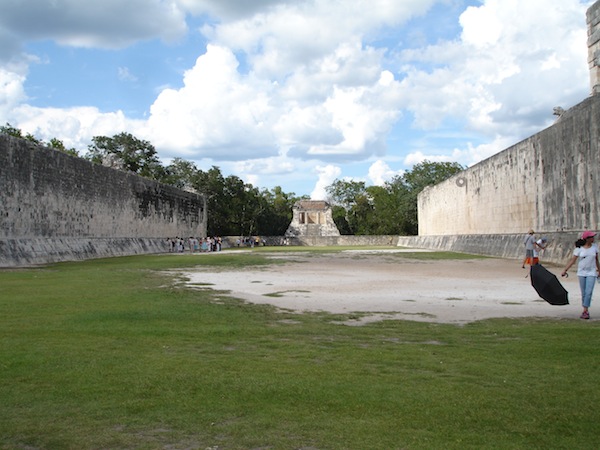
35	251
559	249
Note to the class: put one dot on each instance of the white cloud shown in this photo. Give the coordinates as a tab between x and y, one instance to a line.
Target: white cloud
253	171
217	113
468	156
11	93
284	86
266	166
252	179
380	172
74	126
360	123
509	51
125	74
481	25
220	110
418	157
295	32
474	154
327	175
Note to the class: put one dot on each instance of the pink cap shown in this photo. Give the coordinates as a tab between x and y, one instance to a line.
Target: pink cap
588	234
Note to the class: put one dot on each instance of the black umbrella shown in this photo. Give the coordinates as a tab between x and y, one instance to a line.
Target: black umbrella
547	286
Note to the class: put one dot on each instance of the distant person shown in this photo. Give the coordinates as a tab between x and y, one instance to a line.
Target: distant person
538	249
588	267
529	243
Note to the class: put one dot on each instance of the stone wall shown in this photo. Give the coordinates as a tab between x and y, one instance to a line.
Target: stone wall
57	207
510	246
549	182
319	241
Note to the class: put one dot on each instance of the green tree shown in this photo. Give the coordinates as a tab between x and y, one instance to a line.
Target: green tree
386	213
429	173
346	195
236	208
339	215
57	144
232	205
276	212
16	132
181	174
11	131
361	215
54	143
243	207
211	184
137	156
345	192
388	209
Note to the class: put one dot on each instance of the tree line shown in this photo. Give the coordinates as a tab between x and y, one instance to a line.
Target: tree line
236	208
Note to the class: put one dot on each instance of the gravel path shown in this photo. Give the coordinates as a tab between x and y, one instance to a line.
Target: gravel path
384	285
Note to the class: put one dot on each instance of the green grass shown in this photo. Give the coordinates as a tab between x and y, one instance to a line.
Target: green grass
114	354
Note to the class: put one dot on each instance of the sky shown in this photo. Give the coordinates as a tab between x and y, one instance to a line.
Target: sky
294	93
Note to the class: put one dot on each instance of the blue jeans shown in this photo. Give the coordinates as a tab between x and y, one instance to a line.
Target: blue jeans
587	289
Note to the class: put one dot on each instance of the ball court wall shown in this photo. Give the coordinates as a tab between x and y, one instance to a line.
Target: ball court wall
56	207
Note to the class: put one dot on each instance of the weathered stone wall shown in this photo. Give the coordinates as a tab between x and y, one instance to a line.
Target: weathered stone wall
56	207
510	246
318	241
593	24
549	182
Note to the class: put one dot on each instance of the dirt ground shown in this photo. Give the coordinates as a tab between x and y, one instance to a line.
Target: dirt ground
382	285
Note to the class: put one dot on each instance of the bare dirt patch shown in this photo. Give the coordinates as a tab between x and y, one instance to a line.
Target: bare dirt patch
377	285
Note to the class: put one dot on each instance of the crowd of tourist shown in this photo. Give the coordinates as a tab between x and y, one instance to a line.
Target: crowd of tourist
249	241
195	245
211	244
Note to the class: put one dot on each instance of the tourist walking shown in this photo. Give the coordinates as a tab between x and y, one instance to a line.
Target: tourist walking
538	249
529	247
588	267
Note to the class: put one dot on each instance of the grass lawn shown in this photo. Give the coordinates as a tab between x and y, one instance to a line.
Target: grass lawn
116	354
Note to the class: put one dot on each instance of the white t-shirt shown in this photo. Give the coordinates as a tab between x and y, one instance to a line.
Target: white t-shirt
541	244
586	257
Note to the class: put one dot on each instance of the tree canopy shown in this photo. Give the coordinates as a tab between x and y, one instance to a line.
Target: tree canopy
54	143
135	155
388	209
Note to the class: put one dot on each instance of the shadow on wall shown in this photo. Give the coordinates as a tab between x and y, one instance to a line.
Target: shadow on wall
559	250
57	207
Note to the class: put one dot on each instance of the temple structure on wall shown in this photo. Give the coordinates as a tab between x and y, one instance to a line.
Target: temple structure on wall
312	218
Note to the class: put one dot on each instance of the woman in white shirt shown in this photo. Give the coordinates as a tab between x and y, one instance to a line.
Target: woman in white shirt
586	253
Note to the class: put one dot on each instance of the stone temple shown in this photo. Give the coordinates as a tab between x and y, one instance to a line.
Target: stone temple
312	218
